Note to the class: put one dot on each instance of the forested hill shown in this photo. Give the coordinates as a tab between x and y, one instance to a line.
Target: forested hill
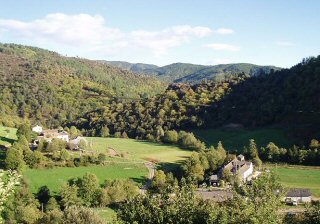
44	86
183	72
289	98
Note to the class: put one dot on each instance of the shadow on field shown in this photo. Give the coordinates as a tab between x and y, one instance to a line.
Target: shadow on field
174	168
140	181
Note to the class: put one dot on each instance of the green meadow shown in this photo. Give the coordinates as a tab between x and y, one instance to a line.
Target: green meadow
130	165
299	177
54	178
7	135
140	150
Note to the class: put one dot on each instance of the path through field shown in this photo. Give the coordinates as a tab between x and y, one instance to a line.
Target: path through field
151	167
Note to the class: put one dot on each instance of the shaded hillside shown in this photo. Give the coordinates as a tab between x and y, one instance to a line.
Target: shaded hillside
181	106
183	72
289	97
43	86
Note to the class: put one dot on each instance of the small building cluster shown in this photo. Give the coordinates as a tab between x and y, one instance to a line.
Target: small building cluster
238	166
48	135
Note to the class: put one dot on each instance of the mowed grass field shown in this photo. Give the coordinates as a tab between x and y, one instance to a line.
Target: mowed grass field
55	177
299	177
131	166
236	139
7	135
140	150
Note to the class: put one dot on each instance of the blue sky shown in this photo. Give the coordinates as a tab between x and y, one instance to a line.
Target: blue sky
273	32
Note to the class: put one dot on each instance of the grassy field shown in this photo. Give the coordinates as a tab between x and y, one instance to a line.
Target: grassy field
55	177
7	135
235	139
299	177
131	166
140	150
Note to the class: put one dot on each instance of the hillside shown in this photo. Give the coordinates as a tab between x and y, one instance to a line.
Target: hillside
288	99
183	72
46	87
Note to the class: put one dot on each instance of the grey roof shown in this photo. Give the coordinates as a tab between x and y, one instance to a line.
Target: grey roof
298	192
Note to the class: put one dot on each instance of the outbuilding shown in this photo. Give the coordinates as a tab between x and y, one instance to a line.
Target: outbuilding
298	195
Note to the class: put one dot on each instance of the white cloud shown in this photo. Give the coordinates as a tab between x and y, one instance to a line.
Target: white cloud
91	33
224	31
77	30
285	43
160	41
222	47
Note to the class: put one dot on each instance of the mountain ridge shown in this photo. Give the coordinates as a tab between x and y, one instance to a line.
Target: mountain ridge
193	73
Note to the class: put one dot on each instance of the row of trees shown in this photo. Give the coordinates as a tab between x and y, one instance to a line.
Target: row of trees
296	155
88	192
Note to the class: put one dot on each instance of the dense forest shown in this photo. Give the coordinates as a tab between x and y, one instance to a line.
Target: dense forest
181	106
289	98
45	87
192	73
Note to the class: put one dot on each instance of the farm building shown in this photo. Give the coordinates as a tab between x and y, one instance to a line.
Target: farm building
48	135
298	195
74	144
239	166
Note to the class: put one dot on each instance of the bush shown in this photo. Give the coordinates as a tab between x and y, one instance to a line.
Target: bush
117	134
14	159
170	137
81	215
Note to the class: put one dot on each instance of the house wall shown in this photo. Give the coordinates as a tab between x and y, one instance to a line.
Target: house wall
300	199
248	172
64	137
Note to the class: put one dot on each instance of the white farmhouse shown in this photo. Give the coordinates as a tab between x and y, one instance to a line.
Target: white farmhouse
48	135
240	167
38	129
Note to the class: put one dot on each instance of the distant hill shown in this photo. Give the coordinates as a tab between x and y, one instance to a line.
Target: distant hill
43	86
183	72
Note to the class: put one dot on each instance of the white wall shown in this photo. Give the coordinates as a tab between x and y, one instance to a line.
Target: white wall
300	199
248	172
